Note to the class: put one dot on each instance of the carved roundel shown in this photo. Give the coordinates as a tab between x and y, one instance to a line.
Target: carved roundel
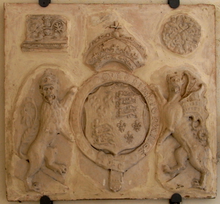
116	120
181	34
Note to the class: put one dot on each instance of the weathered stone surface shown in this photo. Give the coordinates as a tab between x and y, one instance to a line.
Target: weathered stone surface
45	32
181	34
127	111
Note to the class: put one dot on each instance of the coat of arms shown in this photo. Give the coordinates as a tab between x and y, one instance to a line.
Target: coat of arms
118	122
110	101
116	118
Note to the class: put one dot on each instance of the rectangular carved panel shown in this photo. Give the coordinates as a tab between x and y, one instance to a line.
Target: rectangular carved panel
45	32
128	111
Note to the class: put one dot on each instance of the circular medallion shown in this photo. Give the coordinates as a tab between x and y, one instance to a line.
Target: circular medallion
181	34
116	120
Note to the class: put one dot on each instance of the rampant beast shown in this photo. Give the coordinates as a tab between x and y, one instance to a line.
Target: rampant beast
37	141
184	115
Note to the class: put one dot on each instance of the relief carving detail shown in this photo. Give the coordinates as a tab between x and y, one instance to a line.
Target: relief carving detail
117	122
115	136
105	108
45	32
181	34
37	142
115	47
183	116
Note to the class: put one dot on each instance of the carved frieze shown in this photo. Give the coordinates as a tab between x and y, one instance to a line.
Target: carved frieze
181	34
45	32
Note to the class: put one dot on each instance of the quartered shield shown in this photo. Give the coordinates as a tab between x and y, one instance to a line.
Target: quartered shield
116	118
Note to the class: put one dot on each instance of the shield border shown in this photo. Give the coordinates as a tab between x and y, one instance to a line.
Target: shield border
122	162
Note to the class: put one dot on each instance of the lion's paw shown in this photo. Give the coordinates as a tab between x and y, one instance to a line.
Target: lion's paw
196	184
36	186
61	169
166	169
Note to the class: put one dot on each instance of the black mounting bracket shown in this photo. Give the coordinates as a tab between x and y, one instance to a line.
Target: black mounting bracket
45	200
44	3
176	198
174	3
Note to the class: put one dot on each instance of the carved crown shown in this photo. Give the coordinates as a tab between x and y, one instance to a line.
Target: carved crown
48	78
114	47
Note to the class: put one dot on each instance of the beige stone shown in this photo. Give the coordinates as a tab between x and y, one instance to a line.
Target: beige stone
110	101
45	32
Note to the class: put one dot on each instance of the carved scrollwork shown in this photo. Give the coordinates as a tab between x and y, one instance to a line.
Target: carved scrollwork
45	32
115	47
181	34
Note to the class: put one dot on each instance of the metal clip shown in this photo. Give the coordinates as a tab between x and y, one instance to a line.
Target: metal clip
174	3
44	3
176	198
45	200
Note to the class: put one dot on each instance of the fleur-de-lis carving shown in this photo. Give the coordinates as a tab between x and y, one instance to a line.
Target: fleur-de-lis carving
121	126
136	125
129	137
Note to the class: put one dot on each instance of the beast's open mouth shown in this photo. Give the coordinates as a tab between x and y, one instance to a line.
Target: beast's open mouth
50	97
175	89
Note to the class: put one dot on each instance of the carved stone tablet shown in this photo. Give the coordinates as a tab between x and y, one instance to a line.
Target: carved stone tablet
128	111
45	32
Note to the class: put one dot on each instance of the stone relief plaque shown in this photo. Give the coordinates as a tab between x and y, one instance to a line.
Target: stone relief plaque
45	32
128	111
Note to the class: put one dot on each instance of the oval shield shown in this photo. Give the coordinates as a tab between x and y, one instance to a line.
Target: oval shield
116	118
